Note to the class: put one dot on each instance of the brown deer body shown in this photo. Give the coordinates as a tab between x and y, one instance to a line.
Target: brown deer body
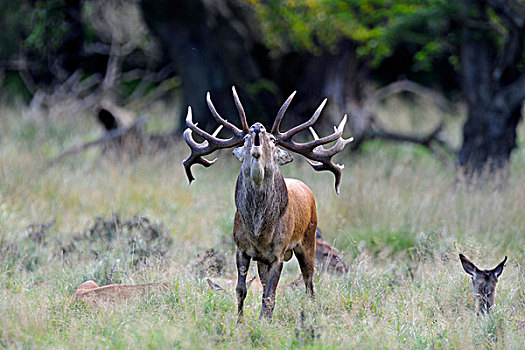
483	282
275	216
272	220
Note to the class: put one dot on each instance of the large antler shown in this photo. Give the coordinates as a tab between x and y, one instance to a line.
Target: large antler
211	142
314	149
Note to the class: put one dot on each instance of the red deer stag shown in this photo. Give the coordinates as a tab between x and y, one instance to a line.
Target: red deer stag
275	216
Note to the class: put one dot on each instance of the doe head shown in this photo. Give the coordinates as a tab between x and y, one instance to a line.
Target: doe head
483	282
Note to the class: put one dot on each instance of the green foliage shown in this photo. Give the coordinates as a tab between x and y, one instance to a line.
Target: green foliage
12	85
48	27
376	26
15	23
429	28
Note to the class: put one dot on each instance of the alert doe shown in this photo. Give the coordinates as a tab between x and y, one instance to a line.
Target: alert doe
275	216
484	282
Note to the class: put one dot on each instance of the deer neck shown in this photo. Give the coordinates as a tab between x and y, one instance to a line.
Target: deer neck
260	202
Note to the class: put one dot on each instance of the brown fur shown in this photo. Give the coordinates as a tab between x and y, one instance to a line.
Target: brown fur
90	292
327	257
275	217
483	282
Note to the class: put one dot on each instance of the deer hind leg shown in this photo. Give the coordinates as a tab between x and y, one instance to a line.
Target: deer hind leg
243	264
268	301
263	274
305	254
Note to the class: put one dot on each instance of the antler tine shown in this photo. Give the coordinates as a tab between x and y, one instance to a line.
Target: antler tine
280	114
314	134
242	114
336	169
336	148
338	131
314	150
306	124
210	144
197	150
236	131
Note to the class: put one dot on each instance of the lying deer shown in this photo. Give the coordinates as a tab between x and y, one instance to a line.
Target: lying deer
276	217
90	292
484	282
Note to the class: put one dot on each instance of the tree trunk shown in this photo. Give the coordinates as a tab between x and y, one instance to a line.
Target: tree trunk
70	53
217	44
212	47
489	136
493	89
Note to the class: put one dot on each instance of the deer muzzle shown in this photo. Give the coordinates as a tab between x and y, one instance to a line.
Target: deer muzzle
256	152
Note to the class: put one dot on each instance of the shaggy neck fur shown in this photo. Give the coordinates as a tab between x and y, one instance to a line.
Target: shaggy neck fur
261	196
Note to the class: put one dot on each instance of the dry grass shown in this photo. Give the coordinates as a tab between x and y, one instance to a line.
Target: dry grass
400	221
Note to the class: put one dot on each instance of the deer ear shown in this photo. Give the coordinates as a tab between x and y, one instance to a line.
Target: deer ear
468	266
282	157
239	153
499	269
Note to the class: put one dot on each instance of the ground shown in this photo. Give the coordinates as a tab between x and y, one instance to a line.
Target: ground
400	222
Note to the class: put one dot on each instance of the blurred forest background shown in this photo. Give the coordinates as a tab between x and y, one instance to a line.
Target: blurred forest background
113	58
93	100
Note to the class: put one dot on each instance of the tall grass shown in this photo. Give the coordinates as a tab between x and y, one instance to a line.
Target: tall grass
400	221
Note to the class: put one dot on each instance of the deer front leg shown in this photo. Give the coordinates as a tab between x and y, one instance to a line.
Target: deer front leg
268	302
243	263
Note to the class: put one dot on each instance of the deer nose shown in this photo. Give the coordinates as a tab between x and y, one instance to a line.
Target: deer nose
256	128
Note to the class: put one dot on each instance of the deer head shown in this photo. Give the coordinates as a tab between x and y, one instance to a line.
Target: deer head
483	282
260	155
259	151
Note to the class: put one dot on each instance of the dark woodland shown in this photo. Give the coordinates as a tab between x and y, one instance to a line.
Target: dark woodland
468	52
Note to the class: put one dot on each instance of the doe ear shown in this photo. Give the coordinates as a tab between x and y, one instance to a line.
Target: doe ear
468	266
239	153
499	269
282	157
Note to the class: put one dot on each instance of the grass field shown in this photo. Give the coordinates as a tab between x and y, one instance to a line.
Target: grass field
400	221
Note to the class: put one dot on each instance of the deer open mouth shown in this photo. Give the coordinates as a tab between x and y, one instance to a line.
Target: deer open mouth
257	140
256	145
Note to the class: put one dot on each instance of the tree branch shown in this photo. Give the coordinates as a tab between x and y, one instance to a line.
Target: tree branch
510	54
432	141
510	12
407	86
425	140
25	75
398	137
109	136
